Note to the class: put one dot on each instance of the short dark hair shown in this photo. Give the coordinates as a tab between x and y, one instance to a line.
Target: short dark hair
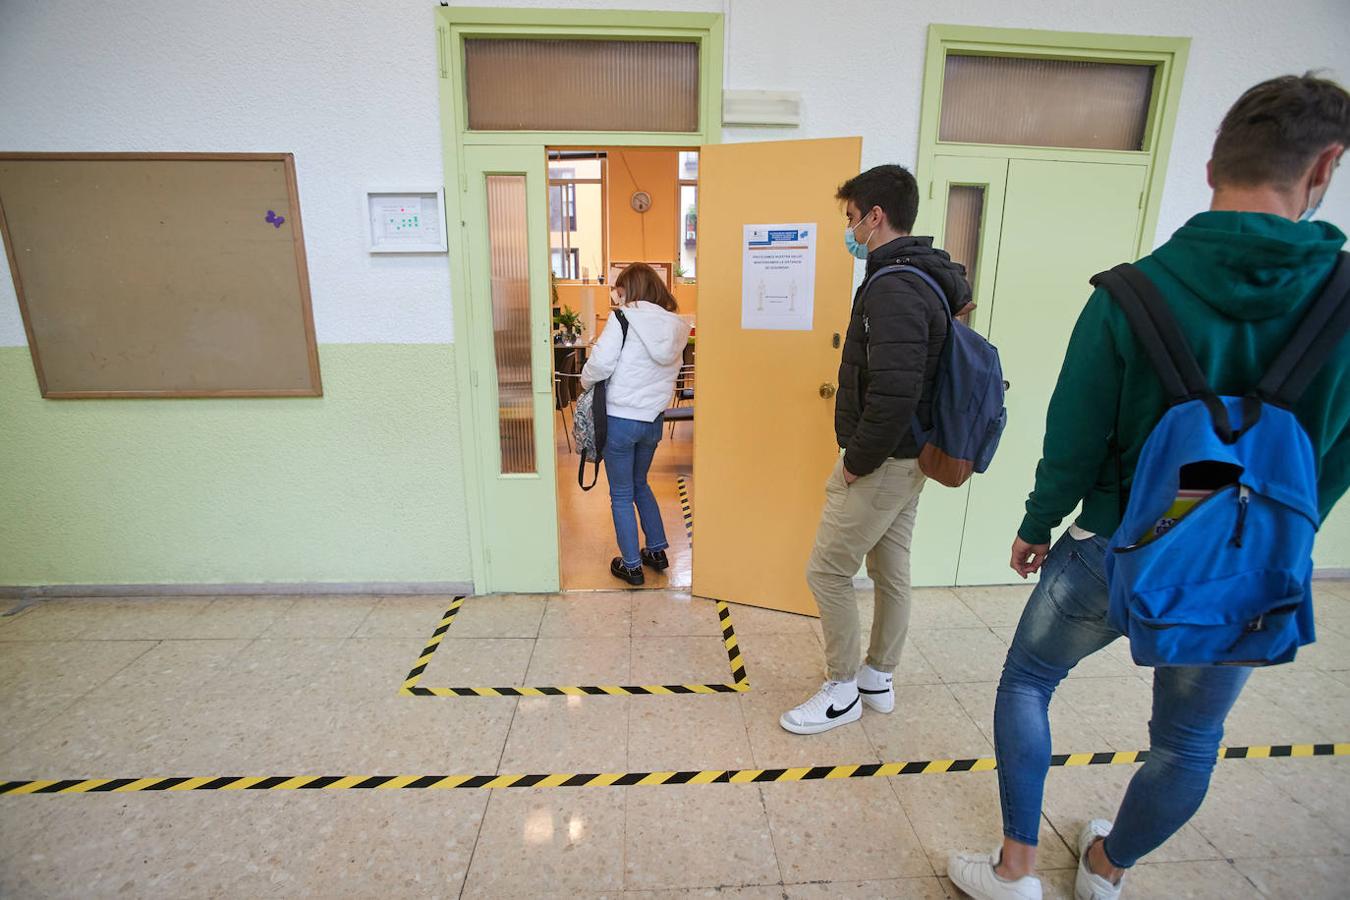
892	188
1276	129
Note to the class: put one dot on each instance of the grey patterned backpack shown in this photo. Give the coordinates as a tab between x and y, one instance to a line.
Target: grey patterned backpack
590	423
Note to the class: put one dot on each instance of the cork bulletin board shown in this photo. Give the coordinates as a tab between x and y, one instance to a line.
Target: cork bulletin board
160	275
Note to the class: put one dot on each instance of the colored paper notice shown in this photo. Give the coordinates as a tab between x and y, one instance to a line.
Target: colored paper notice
778	277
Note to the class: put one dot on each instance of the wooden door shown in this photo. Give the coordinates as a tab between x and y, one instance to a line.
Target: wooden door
764	435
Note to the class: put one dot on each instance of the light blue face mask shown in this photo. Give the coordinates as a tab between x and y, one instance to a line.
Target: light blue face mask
1312	210
856	247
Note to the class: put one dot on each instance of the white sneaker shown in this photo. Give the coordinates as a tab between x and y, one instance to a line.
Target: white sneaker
877	689
1089	885
836	703
974	874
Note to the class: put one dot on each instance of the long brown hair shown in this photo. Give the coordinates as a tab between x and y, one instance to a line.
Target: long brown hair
640	282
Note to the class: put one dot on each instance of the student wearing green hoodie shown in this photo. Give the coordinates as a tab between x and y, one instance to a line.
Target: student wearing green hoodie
1239	279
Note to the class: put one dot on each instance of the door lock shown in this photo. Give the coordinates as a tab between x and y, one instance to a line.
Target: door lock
826	391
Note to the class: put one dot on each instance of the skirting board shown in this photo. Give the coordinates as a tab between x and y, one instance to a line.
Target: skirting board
390	588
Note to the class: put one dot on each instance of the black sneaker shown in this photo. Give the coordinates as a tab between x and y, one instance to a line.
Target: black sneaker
656	559
623	573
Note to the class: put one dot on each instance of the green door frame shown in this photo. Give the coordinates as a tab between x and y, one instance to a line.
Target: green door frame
473	363
946	513
1168	54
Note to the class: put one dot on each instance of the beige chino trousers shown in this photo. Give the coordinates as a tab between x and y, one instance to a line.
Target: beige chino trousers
871	519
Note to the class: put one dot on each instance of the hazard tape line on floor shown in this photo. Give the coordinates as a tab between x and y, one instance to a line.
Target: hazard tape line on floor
415	674
686	509
739	683
629	779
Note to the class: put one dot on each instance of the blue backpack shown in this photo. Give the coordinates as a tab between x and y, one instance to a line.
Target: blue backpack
968	411
1228	581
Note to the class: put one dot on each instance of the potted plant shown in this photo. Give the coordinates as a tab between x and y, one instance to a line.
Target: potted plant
567	325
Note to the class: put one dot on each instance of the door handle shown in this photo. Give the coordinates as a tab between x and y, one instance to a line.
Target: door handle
827	391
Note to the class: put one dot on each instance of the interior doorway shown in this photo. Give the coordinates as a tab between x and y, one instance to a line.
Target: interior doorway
609	207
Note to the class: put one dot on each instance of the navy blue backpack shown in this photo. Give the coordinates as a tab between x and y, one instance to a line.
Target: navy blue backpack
968	411
1229	581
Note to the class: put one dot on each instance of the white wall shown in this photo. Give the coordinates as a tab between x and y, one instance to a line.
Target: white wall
350	88
866	66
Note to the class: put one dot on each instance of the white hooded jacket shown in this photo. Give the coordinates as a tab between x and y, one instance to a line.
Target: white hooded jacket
643	370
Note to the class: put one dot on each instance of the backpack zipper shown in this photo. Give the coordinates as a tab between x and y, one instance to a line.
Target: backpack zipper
1244	500
1223	491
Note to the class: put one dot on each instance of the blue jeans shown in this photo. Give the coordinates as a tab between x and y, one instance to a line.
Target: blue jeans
629	448
1064	621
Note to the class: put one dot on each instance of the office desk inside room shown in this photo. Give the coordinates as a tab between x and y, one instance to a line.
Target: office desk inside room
561	351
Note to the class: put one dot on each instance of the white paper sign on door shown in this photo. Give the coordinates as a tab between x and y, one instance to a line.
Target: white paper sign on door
778	277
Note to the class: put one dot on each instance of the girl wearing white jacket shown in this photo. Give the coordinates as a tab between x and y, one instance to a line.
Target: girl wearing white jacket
642	370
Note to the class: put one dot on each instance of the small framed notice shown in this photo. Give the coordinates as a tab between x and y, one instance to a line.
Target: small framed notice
409	221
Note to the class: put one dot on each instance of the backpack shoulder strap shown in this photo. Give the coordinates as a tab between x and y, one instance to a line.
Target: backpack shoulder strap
1156	329
623	326
581	473
932	283
1323	327
867	282
884	270
923	276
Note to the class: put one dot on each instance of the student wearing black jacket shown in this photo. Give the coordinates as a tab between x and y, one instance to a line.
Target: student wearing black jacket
890	358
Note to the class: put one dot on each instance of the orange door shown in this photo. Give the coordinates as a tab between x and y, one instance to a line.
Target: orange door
764	435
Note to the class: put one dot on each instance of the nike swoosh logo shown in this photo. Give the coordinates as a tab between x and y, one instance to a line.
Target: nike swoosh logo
833	713
866	691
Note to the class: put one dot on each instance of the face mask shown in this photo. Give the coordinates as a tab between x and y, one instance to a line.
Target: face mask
856	247
1312	210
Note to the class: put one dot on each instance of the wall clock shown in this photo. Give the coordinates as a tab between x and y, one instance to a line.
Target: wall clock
641	201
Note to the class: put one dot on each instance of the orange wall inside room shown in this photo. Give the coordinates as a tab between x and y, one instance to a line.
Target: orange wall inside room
652	236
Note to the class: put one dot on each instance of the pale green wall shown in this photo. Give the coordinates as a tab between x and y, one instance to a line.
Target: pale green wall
363	484
1333	542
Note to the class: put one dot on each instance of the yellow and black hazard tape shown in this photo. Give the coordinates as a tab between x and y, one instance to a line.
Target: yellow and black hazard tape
627	779
415	674
686	509
739	683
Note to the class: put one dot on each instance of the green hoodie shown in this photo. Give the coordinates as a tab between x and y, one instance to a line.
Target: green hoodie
1239	284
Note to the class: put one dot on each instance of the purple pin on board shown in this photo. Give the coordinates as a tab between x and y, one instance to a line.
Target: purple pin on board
275	219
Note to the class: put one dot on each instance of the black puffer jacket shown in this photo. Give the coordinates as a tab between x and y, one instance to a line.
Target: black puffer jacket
890	359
